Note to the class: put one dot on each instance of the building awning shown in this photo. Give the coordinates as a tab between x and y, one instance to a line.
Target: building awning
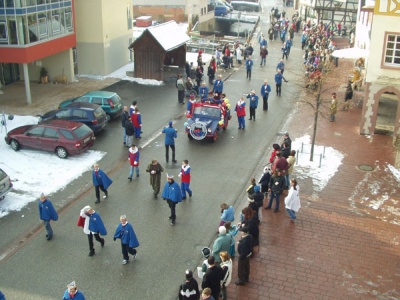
351	53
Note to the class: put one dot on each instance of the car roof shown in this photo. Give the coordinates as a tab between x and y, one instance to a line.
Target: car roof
86	105
104	94
62	124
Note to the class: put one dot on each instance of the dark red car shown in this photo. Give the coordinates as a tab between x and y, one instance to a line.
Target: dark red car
59	136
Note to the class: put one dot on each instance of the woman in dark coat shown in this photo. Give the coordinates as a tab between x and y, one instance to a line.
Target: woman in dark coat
251	222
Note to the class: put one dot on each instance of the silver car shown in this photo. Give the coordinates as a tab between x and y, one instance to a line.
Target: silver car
5	184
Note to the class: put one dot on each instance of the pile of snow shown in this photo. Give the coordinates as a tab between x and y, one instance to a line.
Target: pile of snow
33	172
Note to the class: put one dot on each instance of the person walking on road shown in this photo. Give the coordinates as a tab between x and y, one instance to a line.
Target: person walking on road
180	85
47	213
189	290
241	112
265	90
72	292
249	66
100	181
129	241
155	169
263	54
93	226
170	136
244	249
133	157
292	201
185	179
173	195
124	117
253	104
278	81
281	66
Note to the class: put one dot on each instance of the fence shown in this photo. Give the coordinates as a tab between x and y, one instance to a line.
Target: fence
302	150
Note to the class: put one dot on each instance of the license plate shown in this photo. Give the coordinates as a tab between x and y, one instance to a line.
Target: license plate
86	140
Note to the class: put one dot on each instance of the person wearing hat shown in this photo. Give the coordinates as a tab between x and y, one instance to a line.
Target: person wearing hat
173	195
221	243
264	180
72	292
100	181
253	104
218	85
129	241
133	158
47	213
170	136
155	169
245	250
265	90
240	109
206	252
93	226
189	290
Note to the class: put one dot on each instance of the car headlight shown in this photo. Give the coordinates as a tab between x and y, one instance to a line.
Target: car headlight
209	130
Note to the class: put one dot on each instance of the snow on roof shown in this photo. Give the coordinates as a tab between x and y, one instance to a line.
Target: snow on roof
169	35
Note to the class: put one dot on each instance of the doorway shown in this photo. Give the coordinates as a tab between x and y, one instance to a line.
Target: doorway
387	114
9	73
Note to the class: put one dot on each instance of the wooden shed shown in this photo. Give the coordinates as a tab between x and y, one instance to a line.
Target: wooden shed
159	46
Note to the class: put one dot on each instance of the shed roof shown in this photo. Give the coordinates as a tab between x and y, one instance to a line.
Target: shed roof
169	35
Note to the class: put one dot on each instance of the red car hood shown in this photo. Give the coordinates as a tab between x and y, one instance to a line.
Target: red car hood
20	130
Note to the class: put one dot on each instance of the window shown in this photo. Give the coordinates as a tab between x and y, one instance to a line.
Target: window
79	114
67	134
37	131
68	18
97	100
42	25
55	21
62	114
51	133
392	51
3	32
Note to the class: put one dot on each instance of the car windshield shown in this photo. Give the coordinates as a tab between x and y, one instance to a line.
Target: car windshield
82	131
2	175
99	112
208	111
116	99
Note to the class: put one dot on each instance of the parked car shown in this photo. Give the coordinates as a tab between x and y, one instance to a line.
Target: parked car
5	184
220	11
246	6
87	113
110	102
59	136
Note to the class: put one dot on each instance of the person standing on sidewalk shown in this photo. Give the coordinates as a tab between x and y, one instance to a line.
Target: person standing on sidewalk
93	226
249	66
155	169
253	104
189	290
244	249
180	85
100	181
72	292
276	186
170	136
241	113
47	213
292	201
291	160
133	157
333	108
185	179
226	265
265	90
173	195
129	241
212	278
124	117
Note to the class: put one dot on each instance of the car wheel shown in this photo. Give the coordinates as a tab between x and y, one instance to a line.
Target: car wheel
190	137
214	137
15	145
61	152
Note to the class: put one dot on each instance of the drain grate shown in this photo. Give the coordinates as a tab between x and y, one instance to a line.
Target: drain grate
366	168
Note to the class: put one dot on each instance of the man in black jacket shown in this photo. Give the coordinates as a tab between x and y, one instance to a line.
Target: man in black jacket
125	116
189	290
245	248
212	278
130	131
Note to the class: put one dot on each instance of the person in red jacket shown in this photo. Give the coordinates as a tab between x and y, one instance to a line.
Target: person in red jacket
133	157
185	179
137	122
241	112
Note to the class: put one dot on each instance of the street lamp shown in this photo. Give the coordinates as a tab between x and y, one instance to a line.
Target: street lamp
239	15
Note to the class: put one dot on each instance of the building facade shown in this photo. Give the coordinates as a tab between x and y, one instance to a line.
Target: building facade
383	72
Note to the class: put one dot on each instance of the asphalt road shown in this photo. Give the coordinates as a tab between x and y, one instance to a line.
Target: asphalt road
220	173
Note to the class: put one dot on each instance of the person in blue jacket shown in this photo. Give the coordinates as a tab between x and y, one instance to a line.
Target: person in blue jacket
100	181
253	104
227	214
172	194
93	226
129	241
249	66
203	91
218	85
170	136
278	81
265	90
72	292
47	213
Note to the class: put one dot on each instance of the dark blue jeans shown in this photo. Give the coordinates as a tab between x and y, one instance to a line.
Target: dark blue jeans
271	199
48	228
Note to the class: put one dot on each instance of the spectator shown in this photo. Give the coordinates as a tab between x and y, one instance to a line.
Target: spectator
292	201
189	290
227	214
221	243
275	189
212	278
244	249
